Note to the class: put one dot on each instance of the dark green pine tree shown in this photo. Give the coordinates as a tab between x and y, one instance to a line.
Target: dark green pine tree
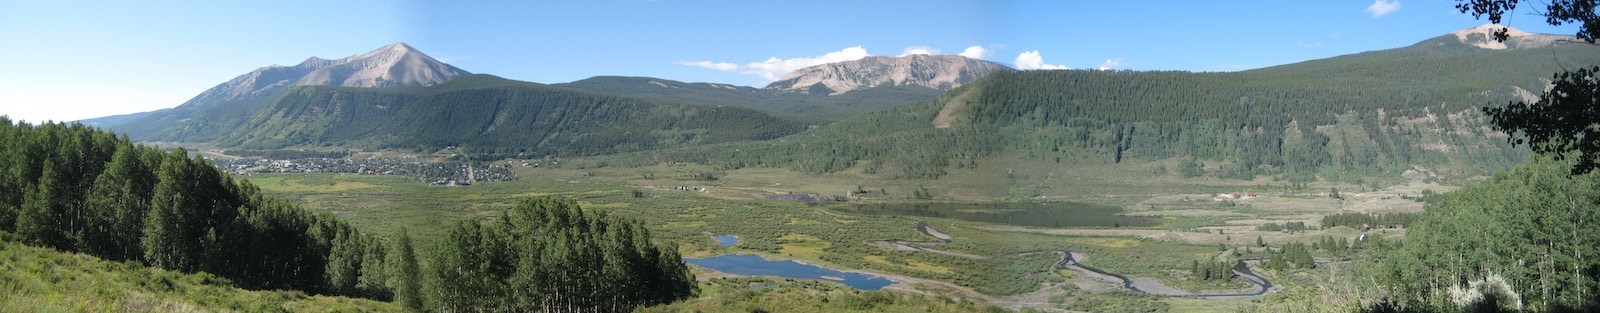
374	281
552	256
465	271
117	206
172	232
343	269
43	221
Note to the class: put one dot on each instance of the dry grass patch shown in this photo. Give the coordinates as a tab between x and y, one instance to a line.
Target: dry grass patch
802	245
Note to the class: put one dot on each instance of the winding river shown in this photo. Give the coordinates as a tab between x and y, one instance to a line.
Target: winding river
1069	261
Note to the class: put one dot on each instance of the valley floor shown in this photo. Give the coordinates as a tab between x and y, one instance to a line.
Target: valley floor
995	264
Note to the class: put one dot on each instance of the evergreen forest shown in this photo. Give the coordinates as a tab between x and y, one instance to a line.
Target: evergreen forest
88	191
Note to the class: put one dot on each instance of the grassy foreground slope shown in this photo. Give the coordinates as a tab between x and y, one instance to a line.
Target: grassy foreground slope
34	279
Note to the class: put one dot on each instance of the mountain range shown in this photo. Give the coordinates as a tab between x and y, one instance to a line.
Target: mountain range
1338	118
863	85
821	93
1351	118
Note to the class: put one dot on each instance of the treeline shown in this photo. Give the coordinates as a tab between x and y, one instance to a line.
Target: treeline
548	255
287	154
1211	270
78	189
1529	230
486	115
1335	247
1292	255
1291	226
1375	220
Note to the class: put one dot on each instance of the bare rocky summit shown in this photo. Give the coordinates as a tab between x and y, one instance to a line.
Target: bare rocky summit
393	65
1483	37
941	72
230	103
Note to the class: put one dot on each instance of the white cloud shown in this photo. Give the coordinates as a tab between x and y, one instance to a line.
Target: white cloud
1303	44
774	68
920	50
976	52
1032	61
1379	8
725	67
1111	64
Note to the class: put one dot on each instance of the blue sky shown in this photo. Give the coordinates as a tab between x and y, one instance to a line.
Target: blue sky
68	60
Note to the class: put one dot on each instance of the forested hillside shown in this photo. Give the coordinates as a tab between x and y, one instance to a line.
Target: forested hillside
812	107
487	115
1523	240
77	189
1345	118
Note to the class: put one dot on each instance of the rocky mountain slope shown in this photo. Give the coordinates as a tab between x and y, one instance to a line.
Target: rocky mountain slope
941	72
1482	37
226	105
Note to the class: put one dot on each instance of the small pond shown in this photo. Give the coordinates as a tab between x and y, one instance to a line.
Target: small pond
1049	214
751	265
726	240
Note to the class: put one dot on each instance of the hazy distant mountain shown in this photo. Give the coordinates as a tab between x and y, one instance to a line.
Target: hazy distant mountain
942	72
232	102
114	120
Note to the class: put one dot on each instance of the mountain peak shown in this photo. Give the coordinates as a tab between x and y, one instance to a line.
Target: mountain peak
396	64
394	49
1482	36
398	46
942	72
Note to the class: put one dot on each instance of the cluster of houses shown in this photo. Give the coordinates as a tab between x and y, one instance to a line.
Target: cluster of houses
440	173
700	189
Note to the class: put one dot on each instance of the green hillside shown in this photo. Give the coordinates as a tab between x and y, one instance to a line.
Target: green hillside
815	107
1368	115
34	279
200	123
490	115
